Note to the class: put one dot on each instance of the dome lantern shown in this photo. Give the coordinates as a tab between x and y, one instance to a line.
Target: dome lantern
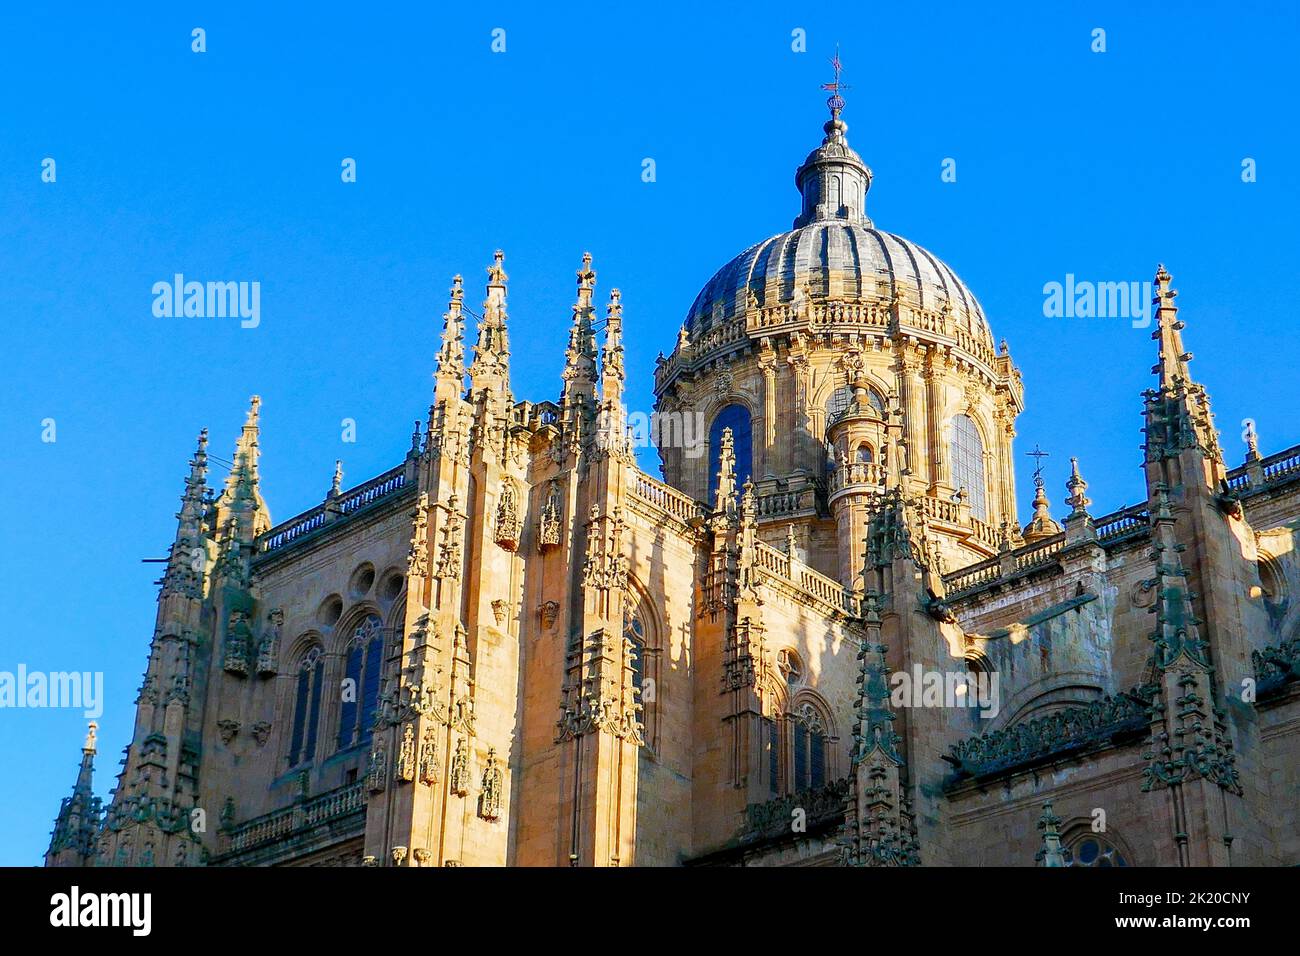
833	180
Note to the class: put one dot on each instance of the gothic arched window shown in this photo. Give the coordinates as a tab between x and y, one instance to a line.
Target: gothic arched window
809	742
967	450
364	659
645	670
735	417
306	706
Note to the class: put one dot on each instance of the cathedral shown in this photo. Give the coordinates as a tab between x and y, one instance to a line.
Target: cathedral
821	639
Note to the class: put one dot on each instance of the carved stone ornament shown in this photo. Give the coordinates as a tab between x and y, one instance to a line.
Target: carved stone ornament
417	558
459	780
549	612
549	522
489	800
227	728
508	524
262	732
406	757
428	772
268	649
377	771
238	639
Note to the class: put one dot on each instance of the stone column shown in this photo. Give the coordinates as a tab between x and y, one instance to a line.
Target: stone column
940	472
767	364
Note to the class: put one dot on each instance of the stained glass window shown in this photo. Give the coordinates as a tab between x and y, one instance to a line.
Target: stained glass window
363	657
306	707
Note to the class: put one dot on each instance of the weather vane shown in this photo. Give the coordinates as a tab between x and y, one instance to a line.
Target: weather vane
835	101
1038	455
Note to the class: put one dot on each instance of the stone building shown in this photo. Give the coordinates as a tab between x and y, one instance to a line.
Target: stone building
825	640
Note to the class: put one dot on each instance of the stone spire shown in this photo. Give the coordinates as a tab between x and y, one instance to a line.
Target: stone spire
491	365
449	378
580	357
241	502
613	378
1049	825
76	828
188	556
241	513
878	819
1172	364
1178	411
1188	739
724	500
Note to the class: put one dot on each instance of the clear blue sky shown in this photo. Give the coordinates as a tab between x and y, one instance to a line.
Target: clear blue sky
226	165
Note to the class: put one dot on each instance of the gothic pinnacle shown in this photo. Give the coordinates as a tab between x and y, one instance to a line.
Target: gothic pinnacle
1172	363
612	374
1078	488
580	357
491	366
451	355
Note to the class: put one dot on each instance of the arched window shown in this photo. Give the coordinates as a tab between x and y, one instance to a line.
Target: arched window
808	748
364	659
863	455
735	417
1093	849
838	403
842	399
645	671
306	706
967	451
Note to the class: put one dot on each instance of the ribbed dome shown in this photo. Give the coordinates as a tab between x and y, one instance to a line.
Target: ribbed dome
838	259
835	253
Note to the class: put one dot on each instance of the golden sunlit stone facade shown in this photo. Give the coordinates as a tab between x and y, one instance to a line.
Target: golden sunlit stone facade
517	648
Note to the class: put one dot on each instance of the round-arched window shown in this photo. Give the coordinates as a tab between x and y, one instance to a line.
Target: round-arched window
967	451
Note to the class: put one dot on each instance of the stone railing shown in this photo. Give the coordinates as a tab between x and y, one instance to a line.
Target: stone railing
1043	552
282	824
811	582
1282	465
1257	475
774	504
348	503
771	819
973	576
667	499
1122	524
842	316
1058	734
855	473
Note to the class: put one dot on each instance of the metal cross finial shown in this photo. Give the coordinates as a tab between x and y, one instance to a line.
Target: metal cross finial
835	101
1038	455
